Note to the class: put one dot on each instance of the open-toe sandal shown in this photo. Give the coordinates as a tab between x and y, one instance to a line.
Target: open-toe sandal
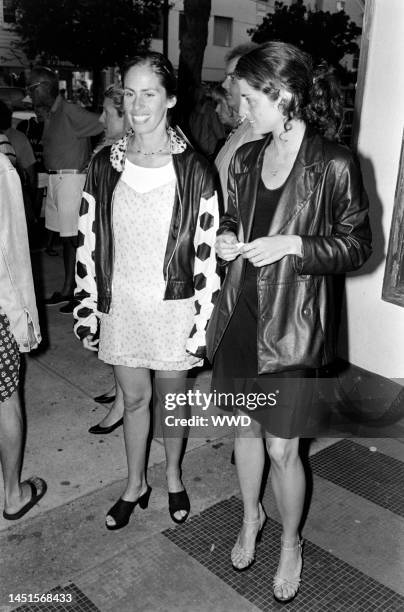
242	557
292	583
178	502
122	510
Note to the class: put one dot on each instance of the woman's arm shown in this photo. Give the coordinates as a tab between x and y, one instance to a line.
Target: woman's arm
206	275
86	314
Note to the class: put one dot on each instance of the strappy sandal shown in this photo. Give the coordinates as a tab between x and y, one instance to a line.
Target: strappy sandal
241	557
122	510
178	502
293	583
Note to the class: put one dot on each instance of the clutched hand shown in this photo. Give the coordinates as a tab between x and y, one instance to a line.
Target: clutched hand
270	249
90	343
227	246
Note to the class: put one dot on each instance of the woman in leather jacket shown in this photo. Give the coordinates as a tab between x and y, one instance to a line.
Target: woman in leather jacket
146	270
297	218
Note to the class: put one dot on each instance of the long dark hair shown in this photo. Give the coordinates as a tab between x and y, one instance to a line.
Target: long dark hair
160	65
316	98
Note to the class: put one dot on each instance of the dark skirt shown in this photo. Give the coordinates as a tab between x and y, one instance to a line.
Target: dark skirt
285	412
9	360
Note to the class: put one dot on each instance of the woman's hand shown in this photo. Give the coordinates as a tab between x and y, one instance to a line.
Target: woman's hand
90	344
227	246
269	249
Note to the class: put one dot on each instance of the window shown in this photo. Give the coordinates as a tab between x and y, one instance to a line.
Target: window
340	5
222	34
9	11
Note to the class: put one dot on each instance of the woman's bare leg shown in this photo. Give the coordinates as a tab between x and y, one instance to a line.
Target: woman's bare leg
172	382
136	387
117	409
289	485
11	437
249	455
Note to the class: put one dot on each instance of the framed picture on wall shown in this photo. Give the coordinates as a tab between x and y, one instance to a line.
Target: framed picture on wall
393	283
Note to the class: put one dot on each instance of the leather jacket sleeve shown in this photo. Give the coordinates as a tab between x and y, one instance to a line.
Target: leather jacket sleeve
349	245
206	276
86	315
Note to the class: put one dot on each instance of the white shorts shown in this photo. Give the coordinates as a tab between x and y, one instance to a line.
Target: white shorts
63	203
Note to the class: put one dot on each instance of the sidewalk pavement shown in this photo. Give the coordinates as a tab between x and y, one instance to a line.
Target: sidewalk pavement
354	548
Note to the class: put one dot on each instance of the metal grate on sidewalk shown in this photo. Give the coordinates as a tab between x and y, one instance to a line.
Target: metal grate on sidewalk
328	583
79	601
371	475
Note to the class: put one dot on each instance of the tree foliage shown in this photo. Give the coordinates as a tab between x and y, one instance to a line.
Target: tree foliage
192	49
326	36
87	33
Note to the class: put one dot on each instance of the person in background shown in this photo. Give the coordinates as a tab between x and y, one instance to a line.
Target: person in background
146	270
113	120
25	158
66	151
206	131
19	331
226	114
297	220
242	131
26	168
7	149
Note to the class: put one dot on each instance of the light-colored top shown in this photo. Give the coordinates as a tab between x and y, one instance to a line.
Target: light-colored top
22	148
7	149
17	296
244	133
141	179
65	139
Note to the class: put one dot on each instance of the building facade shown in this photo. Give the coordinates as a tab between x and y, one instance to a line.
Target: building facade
228	25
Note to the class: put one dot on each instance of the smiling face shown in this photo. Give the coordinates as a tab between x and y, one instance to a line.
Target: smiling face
263	113
113	123
145	100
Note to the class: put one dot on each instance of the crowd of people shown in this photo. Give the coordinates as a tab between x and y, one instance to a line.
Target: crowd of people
227	250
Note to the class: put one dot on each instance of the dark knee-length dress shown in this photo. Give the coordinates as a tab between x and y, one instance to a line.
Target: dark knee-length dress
235	367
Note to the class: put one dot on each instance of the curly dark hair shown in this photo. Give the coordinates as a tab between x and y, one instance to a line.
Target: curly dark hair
315	95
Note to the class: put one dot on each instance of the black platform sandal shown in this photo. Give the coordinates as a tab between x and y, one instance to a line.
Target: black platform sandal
178	502
122	510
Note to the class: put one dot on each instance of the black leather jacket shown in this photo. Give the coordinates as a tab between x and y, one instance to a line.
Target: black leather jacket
189	267
323	202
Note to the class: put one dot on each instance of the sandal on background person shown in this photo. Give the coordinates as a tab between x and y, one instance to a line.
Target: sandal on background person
100	430
38	490
106	398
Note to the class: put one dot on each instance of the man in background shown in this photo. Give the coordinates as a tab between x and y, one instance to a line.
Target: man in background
66	151
242	132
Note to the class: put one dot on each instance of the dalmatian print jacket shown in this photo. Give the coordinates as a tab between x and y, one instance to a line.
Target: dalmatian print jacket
190	266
